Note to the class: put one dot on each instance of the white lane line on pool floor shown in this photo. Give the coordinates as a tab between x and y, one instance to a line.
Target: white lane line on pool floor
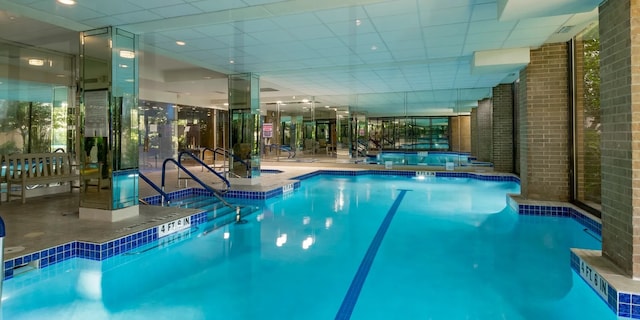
350	299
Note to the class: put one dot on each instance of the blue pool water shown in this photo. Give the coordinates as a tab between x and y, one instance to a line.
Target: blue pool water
363	247
426	158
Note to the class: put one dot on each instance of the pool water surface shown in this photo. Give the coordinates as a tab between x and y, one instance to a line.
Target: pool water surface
338	247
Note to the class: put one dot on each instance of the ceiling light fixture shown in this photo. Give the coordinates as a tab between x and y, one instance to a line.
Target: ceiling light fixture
67	2
180	43
36	62
358	22
127	54
374	48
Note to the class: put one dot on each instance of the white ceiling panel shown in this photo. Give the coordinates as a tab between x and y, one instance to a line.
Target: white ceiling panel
366	53
218	5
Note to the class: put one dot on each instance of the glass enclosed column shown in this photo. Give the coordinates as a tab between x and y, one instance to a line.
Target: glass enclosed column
109	134
246	127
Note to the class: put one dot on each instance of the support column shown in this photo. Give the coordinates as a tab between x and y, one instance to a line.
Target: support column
543	125
109	126
484	129
620	139
245	130
502	156
474	131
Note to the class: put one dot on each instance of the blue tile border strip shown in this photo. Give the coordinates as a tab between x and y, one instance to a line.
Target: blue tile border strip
88	250
350	299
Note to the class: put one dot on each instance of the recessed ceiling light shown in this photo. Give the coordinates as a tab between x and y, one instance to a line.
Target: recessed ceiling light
374	48
67	2
305	100
127	54
358	22
232	62
123	66
180	43
36	62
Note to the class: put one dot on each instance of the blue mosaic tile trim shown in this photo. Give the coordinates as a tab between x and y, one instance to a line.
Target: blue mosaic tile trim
612	294
402	173
592	225
629	305
548	211
88	250
561	211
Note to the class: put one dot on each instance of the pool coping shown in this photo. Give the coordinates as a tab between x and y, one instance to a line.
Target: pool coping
605	279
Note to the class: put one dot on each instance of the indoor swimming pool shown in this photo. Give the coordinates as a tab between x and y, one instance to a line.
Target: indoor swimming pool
337	247
426	158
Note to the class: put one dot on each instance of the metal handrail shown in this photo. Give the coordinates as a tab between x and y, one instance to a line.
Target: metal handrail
204	165
213	191
155	187
226	153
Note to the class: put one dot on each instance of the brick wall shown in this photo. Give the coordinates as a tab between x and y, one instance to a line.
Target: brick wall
485	129
461	134
474	131
503	128
544	132
620	139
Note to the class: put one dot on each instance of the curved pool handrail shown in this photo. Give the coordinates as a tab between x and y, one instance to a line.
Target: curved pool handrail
225	152
196	179
156	188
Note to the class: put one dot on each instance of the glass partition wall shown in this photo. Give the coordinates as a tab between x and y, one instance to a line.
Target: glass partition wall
586	115
37	110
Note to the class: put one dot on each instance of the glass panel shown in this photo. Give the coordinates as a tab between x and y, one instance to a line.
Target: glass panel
587	117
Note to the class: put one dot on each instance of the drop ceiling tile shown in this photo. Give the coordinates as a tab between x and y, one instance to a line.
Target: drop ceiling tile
349	28
404	55
109	8
218	5
137	16
297	20
486	11
490	26
445	16
262	2
325	43
257	25
103	21
349	14
217	30
447	30
150	4
407	22
176	10
310	33
391	8
273	37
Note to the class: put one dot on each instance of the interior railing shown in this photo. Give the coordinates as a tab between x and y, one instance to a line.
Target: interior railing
216	193
164	196
227	154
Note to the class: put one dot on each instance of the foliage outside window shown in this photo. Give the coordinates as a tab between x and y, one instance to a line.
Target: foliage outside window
587	115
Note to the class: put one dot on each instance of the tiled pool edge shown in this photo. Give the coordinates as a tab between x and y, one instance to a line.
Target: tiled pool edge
88	250
623	303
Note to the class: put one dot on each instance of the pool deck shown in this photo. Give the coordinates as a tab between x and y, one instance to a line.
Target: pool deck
51	220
